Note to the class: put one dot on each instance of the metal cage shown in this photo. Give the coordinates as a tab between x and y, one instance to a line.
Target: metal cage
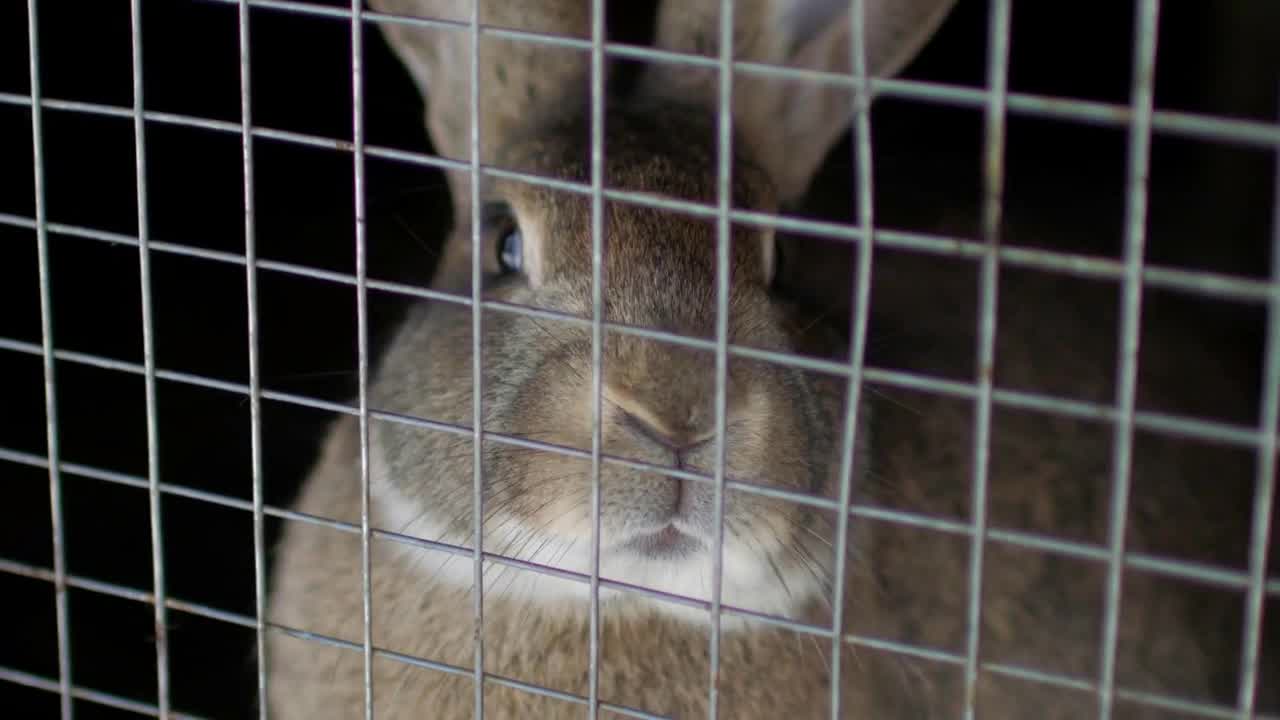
1139	118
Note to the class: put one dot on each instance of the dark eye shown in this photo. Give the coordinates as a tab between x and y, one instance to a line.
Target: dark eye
501	229
511	249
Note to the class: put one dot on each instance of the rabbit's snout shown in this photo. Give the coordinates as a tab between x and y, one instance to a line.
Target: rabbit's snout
680	439
679	431
678	434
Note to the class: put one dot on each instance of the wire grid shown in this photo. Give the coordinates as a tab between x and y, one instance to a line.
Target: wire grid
149	363
1265	482
477	374
993	191
63	687
1126	387
1140	117
597	343
255	380
857	344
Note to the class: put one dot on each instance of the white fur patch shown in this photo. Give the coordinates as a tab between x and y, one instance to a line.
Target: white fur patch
748	580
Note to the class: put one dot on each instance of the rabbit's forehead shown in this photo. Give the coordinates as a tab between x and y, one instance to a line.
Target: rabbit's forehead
638	239
668	151
658	266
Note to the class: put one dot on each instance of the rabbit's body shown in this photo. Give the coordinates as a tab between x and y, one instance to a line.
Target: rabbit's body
1049	476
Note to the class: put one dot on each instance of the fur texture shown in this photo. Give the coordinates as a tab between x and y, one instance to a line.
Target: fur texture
1049	475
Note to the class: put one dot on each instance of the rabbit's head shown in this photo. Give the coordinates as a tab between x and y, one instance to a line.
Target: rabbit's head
659	272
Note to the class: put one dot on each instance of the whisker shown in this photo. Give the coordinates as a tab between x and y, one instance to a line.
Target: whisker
822	656
820	574
764	554
399	219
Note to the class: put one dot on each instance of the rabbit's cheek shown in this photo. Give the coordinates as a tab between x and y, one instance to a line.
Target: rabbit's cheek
562	514
765	449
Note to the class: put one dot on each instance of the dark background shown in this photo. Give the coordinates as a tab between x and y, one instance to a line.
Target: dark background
1067	177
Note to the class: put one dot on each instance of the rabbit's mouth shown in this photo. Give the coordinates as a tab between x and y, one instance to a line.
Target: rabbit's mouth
669	543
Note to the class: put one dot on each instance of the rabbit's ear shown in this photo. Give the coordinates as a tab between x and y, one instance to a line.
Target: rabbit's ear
516	77
788	124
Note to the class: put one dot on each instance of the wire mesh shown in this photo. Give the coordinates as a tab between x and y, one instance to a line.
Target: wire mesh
1126	387
63	687
149	364
255	380
1265	482
1141	119
993	192
477	362
724	156
362	341
597	343
858	339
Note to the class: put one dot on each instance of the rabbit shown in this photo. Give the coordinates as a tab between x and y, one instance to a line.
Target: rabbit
784	430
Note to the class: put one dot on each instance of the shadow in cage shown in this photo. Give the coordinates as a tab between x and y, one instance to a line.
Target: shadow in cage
1208	301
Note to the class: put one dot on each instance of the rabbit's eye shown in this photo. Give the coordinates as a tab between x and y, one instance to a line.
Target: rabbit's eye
501	229
511	250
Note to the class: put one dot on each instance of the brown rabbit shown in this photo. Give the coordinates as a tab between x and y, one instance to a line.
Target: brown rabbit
904	583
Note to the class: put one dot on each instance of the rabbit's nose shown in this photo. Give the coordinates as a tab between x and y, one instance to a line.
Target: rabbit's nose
678	441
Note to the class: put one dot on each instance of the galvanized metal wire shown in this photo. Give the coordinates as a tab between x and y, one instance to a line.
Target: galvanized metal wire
1160	422
362	342
52	447
141	596
1199	282
1265	482
149	364
858	338
1217	576
477	363
1139	117
1192	124
255	379
1144	70
597	342
1195	282
993	194
724	199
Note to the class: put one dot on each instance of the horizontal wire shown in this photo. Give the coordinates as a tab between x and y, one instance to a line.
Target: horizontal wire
1161	422
1166	424
1199	125
1081	550
1172	568
1192	281
249	623
31	680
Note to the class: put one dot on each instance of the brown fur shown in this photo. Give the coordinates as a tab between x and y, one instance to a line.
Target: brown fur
1048	475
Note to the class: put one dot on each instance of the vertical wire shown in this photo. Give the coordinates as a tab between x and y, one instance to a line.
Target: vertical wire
149	369
50	385
993	181
1264	490
724	156
597	312
477	364
1127	380
255	384
362	339
857	348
